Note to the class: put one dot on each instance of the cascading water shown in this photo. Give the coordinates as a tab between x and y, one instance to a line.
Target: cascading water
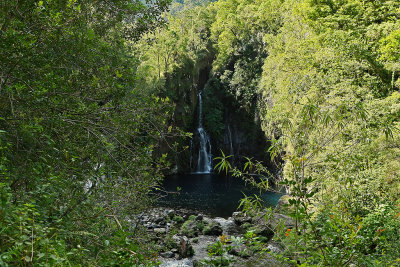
204	156
230	140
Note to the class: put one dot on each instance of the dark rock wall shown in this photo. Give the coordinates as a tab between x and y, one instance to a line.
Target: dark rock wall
234	130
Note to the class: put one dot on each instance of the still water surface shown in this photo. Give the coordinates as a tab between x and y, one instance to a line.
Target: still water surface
210	193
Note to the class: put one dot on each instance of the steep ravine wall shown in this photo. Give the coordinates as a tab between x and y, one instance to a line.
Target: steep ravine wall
242	138
235	131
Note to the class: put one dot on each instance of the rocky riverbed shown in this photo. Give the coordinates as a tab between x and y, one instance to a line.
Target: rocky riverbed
188	238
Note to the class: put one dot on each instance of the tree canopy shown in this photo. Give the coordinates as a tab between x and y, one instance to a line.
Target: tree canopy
77	134
323	77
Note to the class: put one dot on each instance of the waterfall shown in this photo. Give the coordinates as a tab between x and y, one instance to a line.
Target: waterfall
204	156
230	140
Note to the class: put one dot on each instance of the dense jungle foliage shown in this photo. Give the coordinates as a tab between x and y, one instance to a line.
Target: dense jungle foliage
323	77
76	134
92	92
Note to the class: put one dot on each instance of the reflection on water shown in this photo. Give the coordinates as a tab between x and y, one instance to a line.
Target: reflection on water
210	193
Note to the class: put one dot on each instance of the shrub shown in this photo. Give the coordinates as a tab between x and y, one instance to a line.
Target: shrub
178	219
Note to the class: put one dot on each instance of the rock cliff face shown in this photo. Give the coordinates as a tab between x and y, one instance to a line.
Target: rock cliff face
233	129
242	137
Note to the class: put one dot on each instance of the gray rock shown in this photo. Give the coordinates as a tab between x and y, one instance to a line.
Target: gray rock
262	227
160	221
283	205
160	230
258	260
229	226
199	217
177	263
168	254
278	219
268	226
240	217
185	249
274	248
200	248
171	213
190	229
151	226
240	251
214	229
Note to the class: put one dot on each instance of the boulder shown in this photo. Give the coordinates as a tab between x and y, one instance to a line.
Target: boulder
278	219
171	214
177	263
160	230
190	228
183	245
160	221
283	205
260	226
168	254
275	248
240	251
213	228
228	226
150	225
241	218
268	225
200	248
258	260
